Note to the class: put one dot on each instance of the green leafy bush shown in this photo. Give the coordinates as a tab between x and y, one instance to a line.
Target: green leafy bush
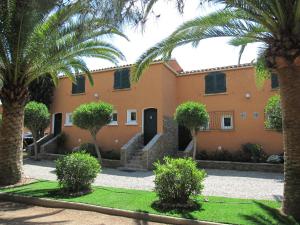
177	180
92	117
76	172
36	119
222	155
192	115
274	113
253	153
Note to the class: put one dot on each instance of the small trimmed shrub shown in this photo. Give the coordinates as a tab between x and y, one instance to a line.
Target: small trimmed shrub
202	155
177	180
76	172
253	153
222	155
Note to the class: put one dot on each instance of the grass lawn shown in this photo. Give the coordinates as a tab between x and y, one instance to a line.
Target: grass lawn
216	209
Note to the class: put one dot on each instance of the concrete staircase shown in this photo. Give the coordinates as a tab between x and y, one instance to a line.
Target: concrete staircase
137	161
137	157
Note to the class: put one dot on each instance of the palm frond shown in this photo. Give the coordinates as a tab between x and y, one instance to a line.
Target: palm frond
225	23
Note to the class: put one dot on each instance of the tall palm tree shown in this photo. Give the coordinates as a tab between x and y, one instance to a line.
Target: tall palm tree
275	24
39	37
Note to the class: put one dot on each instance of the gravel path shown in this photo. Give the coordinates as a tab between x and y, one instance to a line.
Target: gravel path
16	213
227	183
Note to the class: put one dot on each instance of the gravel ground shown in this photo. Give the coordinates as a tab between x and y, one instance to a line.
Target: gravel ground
16	213
227	183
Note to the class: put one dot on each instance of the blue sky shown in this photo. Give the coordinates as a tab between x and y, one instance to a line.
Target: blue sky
210	53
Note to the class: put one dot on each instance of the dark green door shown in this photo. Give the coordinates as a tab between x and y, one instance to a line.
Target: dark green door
57	123
184	137
150	124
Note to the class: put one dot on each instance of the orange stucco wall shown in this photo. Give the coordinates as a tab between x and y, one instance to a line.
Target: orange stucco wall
239	82
147	93
160	88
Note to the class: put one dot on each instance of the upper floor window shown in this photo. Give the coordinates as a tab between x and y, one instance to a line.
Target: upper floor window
122	79
215	83
274	81
79	86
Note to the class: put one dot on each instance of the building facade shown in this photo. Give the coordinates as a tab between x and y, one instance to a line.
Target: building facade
233	100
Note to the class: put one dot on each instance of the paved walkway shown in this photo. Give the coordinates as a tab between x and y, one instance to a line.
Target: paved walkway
16	213
227	183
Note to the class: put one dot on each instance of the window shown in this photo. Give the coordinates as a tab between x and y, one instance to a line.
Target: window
274	81
114	119
79	86
131	117
122	79
215	83
69	120
227	122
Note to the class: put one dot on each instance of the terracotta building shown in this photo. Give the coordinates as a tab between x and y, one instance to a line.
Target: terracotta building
143	116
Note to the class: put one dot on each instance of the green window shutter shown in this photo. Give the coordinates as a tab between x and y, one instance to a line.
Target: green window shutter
209	84
122	79
79	86
220	82
215	83
117	80
274	81
125	78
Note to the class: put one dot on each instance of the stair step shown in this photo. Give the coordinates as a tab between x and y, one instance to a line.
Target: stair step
130	169
137	157
138	153
133	165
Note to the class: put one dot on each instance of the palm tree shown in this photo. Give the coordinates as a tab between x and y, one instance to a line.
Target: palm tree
40	37
275	24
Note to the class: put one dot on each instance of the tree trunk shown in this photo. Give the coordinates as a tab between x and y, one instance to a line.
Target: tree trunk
11	157
194	134
35	146
97	148
289	80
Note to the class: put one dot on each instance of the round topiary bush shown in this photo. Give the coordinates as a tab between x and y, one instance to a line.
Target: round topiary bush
92	117
76	172
192	115
177	180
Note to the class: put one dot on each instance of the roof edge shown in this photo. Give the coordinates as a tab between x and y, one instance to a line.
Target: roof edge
231	67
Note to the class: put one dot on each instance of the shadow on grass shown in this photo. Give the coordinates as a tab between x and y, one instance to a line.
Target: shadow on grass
182	211
270	216
3	188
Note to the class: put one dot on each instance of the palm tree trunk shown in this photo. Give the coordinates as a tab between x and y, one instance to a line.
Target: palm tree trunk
289	80
11	157
97	147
